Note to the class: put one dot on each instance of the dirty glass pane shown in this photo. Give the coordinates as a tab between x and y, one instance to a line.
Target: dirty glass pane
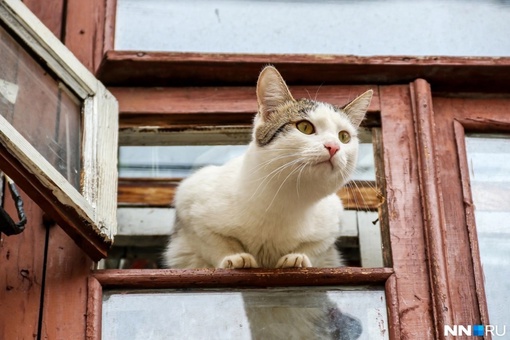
41	109
393	27
305	313
173	161
181	161
489	171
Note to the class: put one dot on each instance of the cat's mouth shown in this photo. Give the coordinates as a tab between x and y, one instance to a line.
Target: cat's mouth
327	162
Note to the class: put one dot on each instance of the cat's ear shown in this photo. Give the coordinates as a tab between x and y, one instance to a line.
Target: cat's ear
271	91
358	107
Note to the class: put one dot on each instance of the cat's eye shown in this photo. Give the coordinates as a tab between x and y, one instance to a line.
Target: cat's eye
344	136
305	127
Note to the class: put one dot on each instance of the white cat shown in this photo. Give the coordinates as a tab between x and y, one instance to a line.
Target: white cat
276	205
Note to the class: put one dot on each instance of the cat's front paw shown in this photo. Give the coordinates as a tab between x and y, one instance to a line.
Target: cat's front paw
241	260
293	261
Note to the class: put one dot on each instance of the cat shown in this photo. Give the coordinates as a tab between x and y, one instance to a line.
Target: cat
276	205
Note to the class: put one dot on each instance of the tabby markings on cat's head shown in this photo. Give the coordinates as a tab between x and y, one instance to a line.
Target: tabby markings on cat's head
284	120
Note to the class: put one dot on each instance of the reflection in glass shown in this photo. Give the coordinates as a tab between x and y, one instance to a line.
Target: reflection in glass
182	161
360	242
490	185
173	161
41	109
394	27
304	313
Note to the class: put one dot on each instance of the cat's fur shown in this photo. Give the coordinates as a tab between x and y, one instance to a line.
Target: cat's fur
276	205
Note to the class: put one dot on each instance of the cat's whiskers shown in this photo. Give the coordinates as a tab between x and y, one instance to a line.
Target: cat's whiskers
345	174
354	189
269	177
355	185
298	182
272	160
278	152
281	186
317	92
256	170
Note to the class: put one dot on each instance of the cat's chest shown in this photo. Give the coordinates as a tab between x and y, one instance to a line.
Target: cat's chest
280	234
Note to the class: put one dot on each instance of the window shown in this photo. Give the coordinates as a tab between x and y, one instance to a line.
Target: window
247	314
314	27
433	276
149	174
67	159
465	123
490	187
145	199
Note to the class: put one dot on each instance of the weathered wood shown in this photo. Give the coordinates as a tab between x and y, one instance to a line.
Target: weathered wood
65	291
460	141
432	203
67	216
47	47
23	256
405	214
96	212
147	192
160	193
128	68
50	12
109	30
166	107
94	309
21	273
35	96
392	308
185	135
85	34
377	143
360	196
464	270
99	157
248	278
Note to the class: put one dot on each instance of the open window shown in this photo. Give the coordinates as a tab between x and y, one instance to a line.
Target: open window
175	97
58	130
158	150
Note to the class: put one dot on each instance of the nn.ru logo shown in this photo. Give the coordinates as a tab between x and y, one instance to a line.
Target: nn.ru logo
475	330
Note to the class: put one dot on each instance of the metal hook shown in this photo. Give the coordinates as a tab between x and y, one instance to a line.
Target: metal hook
7	225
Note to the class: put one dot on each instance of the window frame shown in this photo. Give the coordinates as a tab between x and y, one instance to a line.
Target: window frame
421	248
394	103
87	215
197	279
177	116
469	115
121	68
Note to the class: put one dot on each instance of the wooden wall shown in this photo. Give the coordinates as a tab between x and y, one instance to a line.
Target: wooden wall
43	274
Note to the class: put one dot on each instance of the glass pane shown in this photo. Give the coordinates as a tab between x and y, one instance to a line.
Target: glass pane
395	27
490	184
40	108
143	230
173	161
181	161
307	313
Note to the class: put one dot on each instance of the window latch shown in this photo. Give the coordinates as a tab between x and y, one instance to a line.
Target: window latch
7	225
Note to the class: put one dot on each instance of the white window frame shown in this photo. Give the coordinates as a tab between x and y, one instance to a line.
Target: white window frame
93	207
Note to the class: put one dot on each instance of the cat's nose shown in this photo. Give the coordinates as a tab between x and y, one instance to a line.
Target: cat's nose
332	148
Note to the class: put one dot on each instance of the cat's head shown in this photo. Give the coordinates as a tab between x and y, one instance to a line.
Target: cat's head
310	141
